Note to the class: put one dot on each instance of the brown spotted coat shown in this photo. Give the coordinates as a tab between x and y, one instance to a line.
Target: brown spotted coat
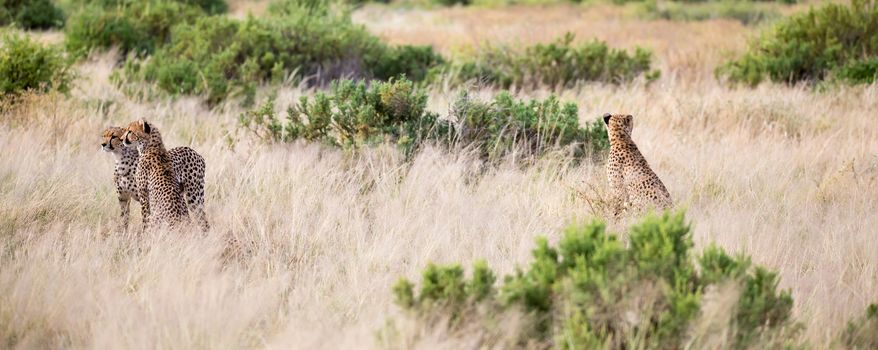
633	184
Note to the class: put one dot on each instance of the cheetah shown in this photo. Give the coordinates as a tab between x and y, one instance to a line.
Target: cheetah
633	184
189	168
158	190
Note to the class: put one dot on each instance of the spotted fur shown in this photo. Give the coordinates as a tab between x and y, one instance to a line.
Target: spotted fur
158	190
189	168
633	184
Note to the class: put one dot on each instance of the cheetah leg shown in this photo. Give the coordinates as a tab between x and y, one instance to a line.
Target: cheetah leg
618	195
124	203
144	206
195	204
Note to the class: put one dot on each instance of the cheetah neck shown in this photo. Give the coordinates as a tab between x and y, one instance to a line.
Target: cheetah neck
621	140
126	162
154	143
126	157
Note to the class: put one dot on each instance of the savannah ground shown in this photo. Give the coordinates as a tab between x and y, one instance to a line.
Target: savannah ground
306	240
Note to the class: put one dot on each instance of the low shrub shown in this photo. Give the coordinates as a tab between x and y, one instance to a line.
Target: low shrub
862	333
31	14
220	57
355	114
138	27
28	65
558	64
834	41
211	7
593	291
412	62
859	72
746	12
527	128
453	2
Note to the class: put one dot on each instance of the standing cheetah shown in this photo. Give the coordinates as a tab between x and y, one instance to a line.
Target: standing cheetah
159	192
189	168
633	184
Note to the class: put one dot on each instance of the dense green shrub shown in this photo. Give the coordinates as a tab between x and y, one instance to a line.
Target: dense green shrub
862	333
453	2
859	72
533	127
558	64
413	62
139	27
834	40
208	6
353	115
218	57
28	65
593	291
746	12
31	14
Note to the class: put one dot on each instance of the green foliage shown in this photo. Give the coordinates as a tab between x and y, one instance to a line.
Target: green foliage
592	291
219	57
859	72
139	27
834	40
527	128
558	64
31	14
208	6
412	62
28	65
353	115
453	2
746	12
863	332
445	289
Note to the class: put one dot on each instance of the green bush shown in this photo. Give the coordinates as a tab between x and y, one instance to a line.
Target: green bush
28	65
31	14
352	116
863	332
746	12
138	27
859	72
412	62
453	2
209	6
835	40
530	128
558	64
220	57
593	291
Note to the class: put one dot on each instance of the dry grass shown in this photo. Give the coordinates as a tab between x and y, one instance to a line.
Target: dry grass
786	175
687	49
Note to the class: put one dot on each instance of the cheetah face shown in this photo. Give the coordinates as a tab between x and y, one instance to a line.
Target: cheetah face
111	139
619	123
136	134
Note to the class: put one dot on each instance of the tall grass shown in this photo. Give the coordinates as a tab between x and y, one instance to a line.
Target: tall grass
306	240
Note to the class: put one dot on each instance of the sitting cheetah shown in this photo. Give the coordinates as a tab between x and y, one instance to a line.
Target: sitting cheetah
189	168
633	184
159	192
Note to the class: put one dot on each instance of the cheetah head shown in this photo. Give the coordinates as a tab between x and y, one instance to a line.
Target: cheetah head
111	139
137	134
619	124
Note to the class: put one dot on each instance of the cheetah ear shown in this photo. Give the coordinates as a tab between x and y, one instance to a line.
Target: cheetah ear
146	127
607	118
